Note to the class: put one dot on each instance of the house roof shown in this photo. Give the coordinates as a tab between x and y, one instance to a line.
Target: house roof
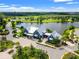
48	34
32	29
55	34
40	31
29	29
29	34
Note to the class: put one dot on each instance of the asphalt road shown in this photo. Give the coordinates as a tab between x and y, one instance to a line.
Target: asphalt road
53	53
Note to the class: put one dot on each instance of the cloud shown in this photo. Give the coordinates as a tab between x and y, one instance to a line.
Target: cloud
15	8
63	9
57	8
62	0
72	3
3	5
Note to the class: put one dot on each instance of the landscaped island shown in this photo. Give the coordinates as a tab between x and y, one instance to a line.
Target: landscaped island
29	53
71	56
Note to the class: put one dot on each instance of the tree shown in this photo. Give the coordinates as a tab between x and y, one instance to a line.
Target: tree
73	57
20	53
65	38
72	34
22	30
32	51
13	24
48	30
25	56
71	27
43	55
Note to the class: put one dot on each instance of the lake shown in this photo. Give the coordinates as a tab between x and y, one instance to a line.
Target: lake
59	27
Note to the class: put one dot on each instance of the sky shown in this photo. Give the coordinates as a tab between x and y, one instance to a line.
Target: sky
39	5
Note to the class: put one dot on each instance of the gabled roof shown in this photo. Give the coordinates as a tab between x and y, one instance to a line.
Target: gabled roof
55	34
32	29
40	31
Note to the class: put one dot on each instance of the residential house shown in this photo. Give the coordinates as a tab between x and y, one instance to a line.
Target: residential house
38	34
30	31
54	35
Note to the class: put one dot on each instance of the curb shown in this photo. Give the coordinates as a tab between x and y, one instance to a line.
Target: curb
46	45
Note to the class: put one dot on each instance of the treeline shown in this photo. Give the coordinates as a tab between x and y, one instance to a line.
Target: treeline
38	13
44	19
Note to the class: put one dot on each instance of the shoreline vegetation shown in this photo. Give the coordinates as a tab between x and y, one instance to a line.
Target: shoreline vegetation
41	17
44	19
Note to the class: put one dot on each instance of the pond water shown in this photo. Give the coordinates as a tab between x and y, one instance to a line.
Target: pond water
59	27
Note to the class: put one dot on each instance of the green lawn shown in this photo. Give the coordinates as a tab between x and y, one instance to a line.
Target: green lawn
70	56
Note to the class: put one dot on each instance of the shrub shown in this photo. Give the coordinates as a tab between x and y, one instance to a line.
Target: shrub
5	44
49	30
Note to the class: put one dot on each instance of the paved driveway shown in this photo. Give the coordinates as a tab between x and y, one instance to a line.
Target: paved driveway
10	35
4	55
53	53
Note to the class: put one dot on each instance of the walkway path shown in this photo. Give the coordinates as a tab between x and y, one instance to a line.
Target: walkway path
10	35
4	55
70	50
